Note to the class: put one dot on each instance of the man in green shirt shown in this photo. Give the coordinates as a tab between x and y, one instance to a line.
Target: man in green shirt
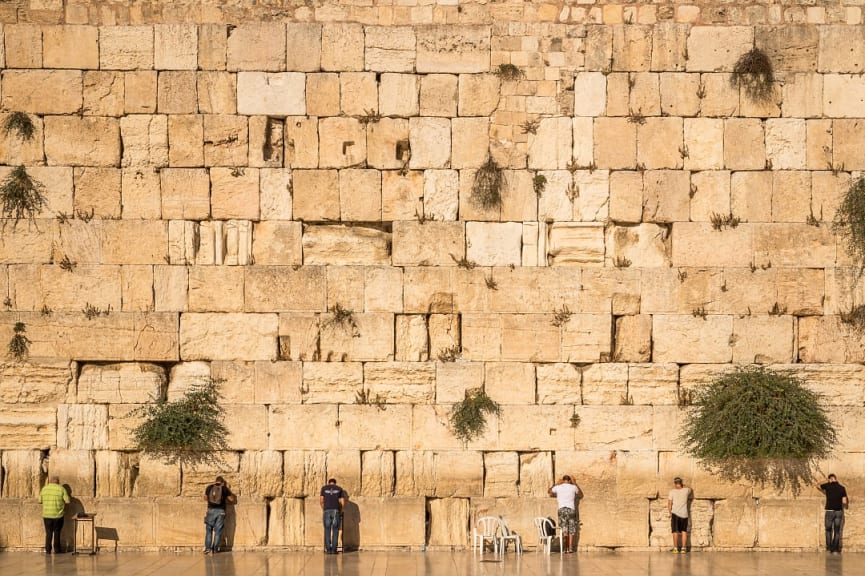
54	499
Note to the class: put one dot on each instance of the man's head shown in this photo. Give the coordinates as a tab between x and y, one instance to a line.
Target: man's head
220	480
566	478
54	480
332	481
677	482
832	478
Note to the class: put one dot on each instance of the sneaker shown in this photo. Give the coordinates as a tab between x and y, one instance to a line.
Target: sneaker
683	551
207	550
675	550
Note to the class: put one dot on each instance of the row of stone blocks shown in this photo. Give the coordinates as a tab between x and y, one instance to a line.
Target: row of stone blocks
309	47
635	523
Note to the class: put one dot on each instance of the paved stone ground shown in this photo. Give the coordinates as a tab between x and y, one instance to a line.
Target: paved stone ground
395	563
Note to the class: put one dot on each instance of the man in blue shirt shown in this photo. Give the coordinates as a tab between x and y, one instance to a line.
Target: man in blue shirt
332	500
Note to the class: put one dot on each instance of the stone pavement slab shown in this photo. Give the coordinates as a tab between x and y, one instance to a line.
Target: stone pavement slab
399	563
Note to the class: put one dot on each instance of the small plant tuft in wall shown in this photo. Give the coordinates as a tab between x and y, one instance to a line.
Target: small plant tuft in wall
21	195
21	124
186	430
508	72
758	424
468	417
19	345
754	74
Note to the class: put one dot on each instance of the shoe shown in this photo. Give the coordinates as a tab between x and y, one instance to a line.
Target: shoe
675	551
683	551
207	550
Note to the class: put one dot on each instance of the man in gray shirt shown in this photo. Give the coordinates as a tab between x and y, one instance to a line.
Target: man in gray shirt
678	503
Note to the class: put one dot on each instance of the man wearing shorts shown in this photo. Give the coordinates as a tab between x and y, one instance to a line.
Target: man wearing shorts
678	503
567	493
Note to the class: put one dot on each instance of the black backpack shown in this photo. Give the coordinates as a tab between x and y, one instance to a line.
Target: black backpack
214	495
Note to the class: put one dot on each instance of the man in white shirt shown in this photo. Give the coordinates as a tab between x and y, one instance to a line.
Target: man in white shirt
567	493
678	503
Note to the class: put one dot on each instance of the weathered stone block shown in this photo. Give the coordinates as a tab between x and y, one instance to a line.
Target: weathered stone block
342	47
559	384
736	249
785	143
367	427
454	378
316	194
615	143
258	46
345	245
342	142
439	95
22	476
692	338
139	91
679	93
125	383
76	468
575	244
633	338
744	147
23	46
786	524
175	47
453	48
126	47
412	339
114	473
494	243
551	147
277	243
228	336
590	91
430	141
303	47
430	243
98	139
332	382
716	48
70	47
278	94
21	91
215	289
449	520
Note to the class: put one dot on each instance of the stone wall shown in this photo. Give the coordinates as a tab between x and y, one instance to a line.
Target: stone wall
219	178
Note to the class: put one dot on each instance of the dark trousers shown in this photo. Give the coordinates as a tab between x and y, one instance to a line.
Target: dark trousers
53	527
834	524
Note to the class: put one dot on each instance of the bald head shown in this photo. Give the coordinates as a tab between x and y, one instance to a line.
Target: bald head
54	480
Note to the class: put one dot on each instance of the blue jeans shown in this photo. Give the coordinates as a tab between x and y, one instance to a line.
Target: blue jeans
331	530
834	523
214	522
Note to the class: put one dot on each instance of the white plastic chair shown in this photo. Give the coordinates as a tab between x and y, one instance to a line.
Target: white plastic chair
508	536
544	538
486	528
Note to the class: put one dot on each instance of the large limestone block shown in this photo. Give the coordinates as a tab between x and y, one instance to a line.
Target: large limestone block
559	384
666	196
120	336
226	144
156	477
42	382
301	142
70	47
23	46
789	524
244	424
385	139
575	244
785	143
615	142
258	46
401	195
590	92
443	333
653	384
358	93
275	194
139	92
126	383
828	339
277	243
585	338
82	426
389	48
176	92
316	194
793	245
370	338
530	337
285	522
460	473
398	95
626	522
439	95
644	245
660	143
339	245
303	47
842	96
175	47
716	48
145	141
122	420
228	336
635	473
114	241
369	522
735	523
342	47
289	427
454	378
428	243
400	382
430	141
744	144
479	94
685	339
469	142
711	195
185	193
28	244
133	519
621	427
604	384
763	339
76	468
633	338
501	474
197	475
115	473
838	50
368	427
519	429
342	142
97	190
279	288
97	141
536	473
11	514
734	247
415	472
453	48
632	48
838	384
448	522
494	243
331	382
626	196
704	142
377	473
551	146
669	46
14	150
509	382
217	94
277	94
126	47
22	477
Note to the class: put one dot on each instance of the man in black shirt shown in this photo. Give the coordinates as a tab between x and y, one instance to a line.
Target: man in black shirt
332	500
836	502
216	494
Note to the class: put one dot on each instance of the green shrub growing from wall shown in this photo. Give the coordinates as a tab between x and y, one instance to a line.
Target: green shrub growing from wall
469	417
758	424
189	429
849	221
